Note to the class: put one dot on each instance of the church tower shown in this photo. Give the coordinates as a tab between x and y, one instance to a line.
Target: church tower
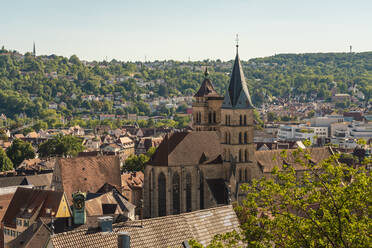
237	129
206	108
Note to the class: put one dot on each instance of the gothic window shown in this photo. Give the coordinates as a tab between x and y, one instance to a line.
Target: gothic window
210	117
226	138
162	190
246	174
240	138
245	138
176	193
188	192
229	138
246	155
201	185
214	117
240	156
226	120
240	120
240	175
245	120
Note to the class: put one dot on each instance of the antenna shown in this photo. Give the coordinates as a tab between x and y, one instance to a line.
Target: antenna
351	48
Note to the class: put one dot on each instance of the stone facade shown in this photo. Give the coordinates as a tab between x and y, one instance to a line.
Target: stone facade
204	168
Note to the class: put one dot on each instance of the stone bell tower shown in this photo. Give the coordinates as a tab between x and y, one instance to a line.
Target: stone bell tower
206	108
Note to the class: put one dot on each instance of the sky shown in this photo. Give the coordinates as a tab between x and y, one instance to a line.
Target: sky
184	30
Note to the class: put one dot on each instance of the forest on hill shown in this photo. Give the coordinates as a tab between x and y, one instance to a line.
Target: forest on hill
29	84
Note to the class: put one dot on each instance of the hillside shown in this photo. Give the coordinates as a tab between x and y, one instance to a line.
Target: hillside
29	85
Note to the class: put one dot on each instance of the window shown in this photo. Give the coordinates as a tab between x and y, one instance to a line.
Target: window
176	193
246	155
209	117
240	138
226	120
240	175
162	206
188	192
229	138
240	156
214	117
245	138
240	120
25	223
226	138
246	174
245	120
201	185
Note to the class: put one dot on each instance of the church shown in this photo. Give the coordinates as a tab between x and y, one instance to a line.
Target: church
205	168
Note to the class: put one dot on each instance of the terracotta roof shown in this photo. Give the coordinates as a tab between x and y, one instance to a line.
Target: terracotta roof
132	179
89	174
4	203
269	159
96	206
169	231
172	150
36	235
28	202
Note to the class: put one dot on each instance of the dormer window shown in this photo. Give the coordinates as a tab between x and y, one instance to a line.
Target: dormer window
26	223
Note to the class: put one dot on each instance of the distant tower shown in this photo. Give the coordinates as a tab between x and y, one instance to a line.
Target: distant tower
34	50
351	49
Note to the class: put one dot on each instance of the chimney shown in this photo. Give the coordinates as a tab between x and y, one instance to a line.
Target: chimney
105	223
123	240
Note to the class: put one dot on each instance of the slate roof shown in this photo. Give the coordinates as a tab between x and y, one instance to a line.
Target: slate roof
12	181
206	89
237	95
30	202
187	148
169	231
269	159
40	180
89	174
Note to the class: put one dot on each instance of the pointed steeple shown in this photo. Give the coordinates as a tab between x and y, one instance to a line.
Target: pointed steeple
206	89
237	95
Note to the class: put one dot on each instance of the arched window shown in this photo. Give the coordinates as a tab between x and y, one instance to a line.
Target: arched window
246	174
200	117
162	205
240	120
226	120
188	192
245	120
246	155
201	185
176	193
240	138
210	117
240	156
240	175
214	117
229	138
245	138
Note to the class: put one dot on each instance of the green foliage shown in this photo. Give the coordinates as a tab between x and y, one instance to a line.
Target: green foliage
19	151
3	135
5	162
327	206
61	146
137	163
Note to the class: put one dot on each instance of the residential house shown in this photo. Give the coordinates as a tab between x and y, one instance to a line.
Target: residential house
29	205
132	187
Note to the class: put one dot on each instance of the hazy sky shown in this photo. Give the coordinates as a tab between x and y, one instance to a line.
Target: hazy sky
174	29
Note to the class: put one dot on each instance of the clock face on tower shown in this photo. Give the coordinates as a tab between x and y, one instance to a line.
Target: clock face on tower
79	201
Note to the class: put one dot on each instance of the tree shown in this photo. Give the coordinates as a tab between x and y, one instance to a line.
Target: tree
5	162
137	163
61	146
328	206
19	151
